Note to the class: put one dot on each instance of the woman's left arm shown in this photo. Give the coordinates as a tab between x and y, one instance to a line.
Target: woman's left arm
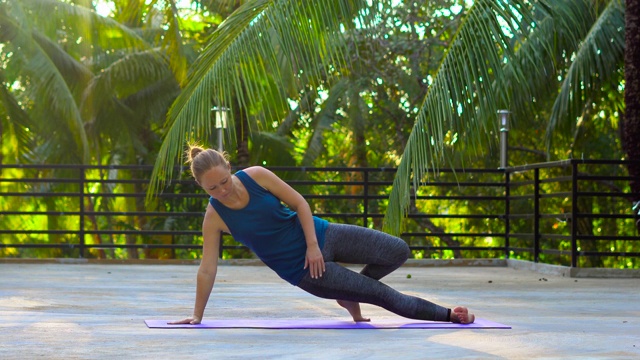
297	203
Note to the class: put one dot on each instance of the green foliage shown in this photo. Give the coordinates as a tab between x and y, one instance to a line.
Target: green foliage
348	83
250	45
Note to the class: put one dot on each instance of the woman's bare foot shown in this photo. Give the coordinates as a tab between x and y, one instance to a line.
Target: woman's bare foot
460	315
354	309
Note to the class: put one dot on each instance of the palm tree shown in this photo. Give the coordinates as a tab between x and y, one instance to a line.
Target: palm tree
579	42
45	64
504	55
88	89
264	53
631	128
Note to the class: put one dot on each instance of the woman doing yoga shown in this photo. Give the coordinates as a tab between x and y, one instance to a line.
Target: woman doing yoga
273	220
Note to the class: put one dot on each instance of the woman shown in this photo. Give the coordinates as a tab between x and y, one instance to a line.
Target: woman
301	248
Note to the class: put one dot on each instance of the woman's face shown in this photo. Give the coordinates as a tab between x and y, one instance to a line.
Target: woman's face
217	182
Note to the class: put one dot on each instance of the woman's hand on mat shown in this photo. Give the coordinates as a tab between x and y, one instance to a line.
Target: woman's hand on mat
314	261
193	320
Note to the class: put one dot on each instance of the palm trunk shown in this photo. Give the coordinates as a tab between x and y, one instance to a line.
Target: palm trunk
90	206
1	142
242	137
631	124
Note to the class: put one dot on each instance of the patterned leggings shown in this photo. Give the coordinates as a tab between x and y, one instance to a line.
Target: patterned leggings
382	254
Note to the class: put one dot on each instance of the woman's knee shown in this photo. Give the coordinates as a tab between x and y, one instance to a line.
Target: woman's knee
397	250
404	252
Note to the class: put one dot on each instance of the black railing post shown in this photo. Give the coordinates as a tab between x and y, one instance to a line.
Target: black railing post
507	212
221	245
536	215
81	222
365	212
574	212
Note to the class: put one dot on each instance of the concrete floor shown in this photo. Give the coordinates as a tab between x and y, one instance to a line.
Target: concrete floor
97	311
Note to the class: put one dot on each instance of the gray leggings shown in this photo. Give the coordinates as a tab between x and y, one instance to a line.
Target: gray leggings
382	254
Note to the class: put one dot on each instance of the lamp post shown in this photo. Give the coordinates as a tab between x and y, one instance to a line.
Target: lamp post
503	118
221	124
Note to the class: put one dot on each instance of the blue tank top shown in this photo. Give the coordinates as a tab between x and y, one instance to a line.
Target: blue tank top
270	229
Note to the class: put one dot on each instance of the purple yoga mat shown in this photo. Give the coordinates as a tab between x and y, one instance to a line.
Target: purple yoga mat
324	324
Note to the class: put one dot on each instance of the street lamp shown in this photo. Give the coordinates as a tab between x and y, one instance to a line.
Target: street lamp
503	118
221	114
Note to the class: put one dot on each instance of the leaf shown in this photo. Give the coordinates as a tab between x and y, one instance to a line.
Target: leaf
248	46
463	99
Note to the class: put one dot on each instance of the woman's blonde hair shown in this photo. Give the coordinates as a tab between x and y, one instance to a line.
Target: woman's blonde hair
202	160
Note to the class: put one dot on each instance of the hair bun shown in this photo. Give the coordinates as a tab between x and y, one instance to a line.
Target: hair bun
194	151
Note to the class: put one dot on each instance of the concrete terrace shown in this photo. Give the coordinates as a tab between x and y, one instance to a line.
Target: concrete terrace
58	310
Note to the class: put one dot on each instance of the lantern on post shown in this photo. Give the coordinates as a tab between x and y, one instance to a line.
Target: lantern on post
503	119
220	117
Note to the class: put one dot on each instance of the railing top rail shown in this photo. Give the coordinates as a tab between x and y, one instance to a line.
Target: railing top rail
81	166
565	163
527	167
511	169
277	168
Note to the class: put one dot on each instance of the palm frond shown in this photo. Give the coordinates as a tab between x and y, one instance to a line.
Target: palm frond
83	22
247	46
271	149
126	96
153	101
21	124
573	48
599	55
124	77
76	74
44	62
47	82
173	41
542	57
462	99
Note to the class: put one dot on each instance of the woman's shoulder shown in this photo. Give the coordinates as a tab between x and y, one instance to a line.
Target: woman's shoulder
254	171
212	220
262	176
258	173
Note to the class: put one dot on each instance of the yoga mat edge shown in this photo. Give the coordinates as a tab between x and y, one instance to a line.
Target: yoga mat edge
323	324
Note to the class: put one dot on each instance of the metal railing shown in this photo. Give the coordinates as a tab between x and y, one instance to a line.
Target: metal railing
567	212
553	212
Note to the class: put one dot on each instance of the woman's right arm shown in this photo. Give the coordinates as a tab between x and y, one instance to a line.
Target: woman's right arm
211	233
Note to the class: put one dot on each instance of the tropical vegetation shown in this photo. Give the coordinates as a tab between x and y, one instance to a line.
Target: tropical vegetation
363	83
